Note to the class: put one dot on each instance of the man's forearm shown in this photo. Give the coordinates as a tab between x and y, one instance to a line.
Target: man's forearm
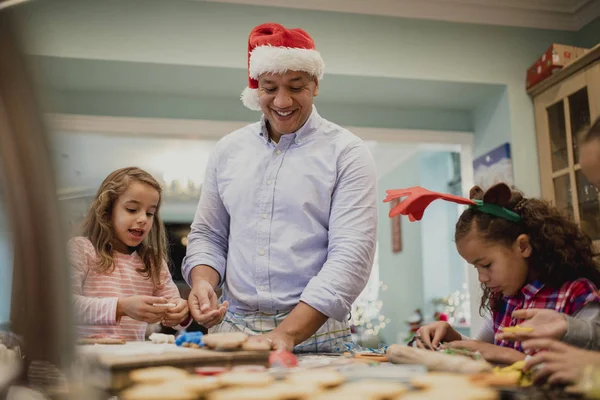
302	323
204	273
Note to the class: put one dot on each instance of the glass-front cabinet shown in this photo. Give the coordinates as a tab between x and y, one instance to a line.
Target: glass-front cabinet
565	105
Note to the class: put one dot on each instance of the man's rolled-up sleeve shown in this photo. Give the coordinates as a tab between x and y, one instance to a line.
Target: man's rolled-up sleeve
352	236
208	239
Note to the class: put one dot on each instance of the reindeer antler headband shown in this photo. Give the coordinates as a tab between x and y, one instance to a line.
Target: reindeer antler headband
417	199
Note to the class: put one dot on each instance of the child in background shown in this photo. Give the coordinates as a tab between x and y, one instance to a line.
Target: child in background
121	281
527	255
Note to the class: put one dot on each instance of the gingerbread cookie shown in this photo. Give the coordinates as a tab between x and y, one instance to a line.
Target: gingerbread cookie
246	379
163	391
198	384
375	389
250	393
322	377
157	374
105	340
255	345
516	329
225	340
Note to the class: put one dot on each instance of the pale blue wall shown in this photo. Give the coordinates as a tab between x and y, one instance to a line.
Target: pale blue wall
185	33
401	272
589	35
491	124
442	268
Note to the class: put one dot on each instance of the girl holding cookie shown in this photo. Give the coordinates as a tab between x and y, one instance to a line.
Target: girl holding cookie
527	255
121	281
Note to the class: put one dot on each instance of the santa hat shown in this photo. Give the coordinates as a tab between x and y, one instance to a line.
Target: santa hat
273	48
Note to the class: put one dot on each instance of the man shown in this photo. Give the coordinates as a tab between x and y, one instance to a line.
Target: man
287	219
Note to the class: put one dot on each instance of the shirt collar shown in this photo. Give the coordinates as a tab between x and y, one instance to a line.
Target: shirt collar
528	291
311	125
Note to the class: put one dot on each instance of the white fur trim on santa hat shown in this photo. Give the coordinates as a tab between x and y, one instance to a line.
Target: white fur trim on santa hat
250	99
281	59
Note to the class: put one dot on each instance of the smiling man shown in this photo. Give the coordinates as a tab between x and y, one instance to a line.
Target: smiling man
287	219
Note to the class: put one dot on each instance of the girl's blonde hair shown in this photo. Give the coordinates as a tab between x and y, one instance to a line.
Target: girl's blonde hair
97	226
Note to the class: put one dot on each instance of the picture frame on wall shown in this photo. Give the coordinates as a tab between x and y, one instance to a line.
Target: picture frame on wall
494	167
396	229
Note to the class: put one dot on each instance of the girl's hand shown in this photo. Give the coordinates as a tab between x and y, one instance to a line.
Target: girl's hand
141	308
490	352
430	336
176	314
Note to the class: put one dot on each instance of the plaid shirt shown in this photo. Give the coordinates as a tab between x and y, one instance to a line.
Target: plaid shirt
569	299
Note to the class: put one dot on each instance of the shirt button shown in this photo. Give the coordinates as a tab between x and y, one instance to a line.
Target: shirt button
269	182
278	152
262	288
262	252
265	216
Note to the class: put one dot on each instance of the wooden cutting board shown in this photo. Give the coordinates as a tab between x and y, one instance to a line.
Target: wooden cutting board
109	365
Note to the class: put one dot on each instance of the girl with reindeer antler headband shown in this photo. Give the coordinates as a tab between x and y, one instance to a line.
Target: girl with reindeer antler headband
527	255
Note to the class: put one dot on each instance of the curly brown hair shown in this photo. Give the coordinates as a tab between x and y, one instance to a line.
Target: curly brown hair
97	225
561	252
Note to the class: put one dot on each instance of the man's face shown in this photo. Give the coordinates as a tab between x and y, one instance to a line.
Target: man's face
589	159
286	100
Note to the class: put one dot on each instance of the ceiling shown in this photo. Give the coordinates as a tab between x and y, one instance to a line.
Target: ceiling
84	75
568	15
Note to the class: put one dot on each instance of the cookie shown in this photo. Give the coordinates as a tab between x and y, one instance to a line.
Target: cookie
255	345
240	393
225	340
439	380
160	338
291	391
105	340
503	379
163	391
516	329
322	377
375	389
246	379
197	384
157	374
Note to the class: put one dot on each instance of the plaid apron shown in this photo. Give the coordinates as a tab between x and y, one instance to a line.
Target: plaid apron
330	338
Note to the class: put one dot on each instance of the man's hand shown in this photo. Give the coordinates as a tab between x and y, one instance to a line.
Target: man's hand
489	352
557	362
141	308
177	314
203	305
277	340
546	324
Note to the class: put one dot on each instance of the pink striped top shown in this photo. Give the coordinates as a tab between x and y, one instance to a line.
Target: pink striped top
95	295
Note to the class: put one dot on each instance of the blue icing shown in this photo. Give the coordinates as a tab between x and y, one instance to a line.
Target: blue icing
190	337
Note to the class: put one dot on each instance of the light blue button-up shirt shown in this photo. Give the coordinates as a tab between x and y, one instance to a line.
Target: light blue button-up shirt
289	221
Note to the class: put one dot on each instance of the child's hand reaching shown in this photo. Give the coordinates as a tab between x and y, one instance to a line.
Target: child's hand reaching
177	314
432	334
141	308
